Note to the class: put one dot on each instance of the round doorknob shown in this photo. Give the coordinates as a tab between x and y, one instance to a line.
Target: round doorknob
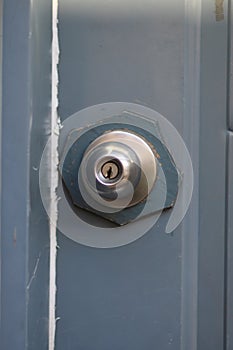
118	167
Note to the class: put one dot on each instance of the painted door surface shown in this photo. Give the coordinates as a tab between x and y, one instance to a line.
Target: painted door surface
162	291
145	295
127	297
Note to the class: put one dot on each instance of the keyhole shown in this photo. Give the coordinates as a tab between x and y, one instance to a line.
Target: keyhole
109	173
110	170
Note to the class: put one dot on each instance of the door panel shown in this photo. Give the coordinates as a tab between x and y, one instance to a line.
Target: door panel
163	291
128	297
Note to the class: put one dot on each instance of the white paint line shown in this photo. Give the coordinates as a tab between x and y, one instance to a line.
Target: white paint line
55	125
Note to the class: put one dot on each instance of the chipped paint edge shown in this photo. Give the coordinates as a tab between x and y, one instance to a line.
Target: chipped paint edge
55	127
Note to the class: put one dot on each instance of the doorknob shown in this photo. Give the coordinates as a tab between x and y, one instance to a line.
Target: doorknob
119	170
119	161
120	216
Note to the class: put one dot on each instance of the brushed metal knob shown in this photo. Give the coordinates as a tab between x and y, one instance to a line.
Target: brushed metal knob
118	166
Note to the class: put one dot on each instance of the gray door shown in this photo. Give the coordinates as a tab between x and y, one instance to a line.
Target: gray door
162	291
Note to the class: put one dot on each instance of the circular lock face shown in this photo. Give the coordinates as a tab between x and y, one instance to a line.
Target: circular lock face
118	160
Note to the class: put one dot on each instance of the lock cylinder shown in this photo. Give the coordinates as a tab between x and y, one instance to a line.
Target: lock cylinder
119	167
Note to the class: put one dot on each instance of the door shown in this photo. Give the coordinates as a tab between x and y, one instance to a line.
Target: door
159	291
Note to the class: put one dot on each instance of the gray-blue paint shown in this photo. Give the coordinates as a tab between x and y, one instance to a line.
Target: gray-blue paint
230	66
140	58
130	295
24	226
38	249
15	175
229	246
112	299
127	297
212	179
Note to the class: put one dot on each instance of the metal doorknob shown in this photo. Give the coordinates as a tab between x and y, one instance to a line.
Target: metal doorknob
119	170
119	165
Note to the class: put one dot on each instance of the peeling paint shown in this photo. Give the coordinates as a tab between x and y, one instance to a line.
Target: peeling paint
219	10
33	276
55	129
